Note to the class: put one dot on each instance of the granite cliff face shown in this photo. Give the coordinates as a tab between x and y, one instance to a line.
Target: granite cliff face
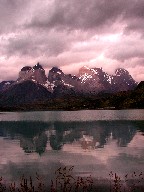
101	81
57	77
88	80
93	80
122	81
36	74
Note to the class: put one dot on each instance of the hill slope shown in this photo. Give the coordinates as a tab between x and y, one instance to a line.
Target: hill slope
22	93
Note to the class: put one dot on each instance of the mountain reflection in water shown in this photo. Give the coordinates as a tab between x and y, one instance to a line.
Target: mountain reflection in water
93	147
34	136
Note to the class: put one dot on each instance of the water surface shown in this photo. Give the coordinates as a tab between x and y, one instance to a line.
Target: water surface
94	142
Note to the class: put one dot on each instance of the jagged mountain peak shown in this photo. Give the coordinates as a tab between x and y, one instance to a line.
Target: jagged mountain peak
33	85
35	67
26	68
84	70
56	70
84	67
35	74
88	81
100	80
121	71
55	75
38	66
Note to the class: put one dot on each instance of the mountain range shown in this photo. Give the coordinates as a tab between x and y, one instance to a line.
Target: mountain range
33	85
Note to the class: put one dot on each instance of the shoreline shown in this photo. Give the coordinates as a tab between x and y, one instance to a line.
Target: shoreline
21	109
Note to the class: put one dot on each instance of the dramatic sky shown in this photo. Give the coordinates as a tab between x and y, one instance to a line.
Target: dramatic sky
70	34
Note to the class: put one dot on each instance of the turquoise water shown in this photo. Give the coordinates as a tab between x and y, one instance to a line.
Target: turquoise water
94	142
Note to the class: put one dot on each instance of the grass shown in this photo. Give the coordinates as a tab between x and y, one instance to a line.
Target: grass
65	182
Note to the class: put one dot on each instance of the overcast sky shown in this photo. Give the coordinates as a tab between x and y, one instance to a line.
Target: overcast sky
72	33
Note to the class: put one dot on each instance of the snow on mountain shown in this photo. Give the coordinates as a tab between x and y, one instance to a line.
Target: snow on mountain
93	80
122	81
85	74
88	80
5	85
24	93
57	77
35	74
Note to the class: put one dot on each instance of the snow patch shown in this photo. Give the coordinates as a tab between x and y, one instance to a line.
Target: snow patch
7	83
95	71
85	77
66	84
109	79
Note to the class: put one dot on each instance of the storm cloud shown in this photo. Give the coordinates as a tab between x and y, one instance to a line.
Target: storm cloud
70	34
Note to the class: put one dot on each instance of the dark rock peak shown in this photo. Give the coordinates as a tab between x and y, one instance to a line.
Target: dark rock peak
72	76
121	72
26	68
38	66
140	85
55	75
56	69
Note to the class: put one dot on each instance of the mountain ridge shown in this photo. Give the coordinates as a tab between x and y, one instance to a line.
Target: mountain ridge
88	80
33	86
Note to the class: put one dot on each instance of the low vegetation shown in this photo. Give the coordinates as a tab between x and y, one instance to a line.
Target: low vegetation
64	181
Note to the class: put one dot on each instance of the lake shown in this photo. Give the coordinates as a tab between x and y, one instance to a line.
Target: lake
95	142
